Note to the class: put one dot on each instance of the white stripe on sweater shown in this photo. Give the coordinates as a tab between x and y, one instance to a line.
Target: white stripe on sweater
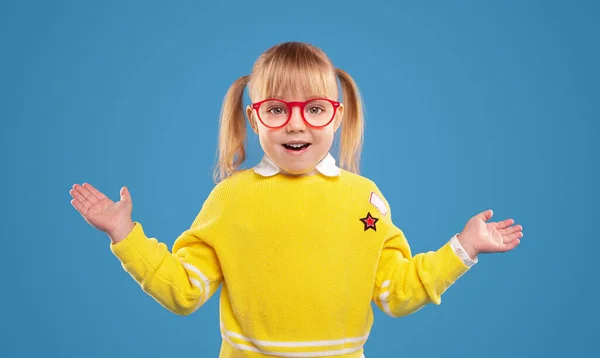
205	286
256	345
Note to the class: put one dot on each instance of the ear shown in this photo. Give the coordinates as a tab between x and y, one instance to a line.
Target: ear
251	119
338	117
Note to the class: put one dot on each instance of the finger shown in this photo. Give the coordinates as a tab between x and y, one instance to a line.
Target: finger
125	195
94	191
503	224
504	247
512	237
511	245
77	191
78	206
508	246
485	215
87	194
80	198
511	230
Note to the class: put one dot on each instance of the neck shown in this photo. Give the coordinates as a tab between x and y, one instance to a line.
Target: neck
313	171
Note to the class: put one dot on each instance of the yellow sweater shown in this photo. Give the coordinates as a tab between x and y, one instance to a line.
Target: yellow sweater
300	259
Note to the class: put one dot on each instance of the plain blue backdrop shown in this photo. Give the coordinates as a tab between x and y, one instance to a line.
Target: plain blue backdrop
469	105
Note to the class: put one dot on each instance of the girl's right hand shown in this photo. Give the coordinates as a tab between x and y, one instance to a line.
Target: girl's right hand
102	213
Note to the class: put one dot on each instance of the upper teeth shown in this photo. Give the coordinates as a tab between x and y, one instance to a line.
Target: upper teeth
296	145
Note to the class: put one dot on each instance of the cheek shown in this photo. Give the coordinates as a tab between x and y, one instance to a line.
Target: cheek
268	137
325	136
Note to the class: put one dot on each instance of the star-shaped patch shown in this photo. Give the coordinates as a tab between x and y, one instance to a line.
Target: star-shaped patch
369	222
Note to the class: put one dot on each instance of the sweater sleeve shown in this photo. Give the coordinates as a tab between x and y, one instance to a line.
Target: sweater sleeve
405	283
181	280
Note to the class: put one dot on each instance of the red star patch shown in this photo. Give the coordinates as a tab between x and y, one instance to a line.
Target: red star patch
369	222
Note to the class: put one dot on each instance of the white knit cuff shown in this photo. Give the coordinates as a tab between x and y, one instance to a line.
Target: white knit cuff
460	251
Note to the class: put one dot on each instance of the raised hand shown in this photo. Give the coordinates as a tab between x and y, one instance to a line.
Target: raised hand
113	218
480	236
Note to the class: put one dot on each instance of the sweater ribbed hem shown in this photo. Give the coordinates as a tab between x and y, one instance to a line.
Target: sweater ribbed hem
229	351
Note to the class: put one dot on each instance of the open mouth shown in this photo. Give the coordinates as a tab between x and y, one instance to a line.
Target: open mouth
296	146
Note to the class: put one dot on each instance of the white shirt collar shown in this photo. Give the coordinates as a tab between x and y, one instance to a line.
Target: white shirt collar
268	168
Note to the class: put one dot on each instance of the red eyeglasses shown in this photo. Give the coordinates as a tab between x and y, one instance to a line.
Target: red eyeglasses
275	113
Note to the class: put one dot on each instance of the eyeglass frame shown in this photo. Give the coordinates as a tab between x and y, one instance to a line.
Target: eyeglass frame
291	106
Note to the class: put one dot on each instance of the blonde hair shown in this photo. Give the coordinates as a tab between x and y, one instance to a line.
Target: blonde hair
289	66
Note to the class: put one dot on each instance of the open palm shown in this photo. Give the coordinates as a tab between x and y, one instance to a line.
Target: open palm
98	210
486	237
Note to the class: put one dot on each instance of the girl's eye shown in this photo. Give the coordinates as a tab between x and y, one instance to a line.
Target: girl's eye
315	110
276	110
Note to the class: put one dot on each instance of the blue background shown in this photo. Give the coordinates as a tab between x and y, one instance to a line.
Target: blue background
470	105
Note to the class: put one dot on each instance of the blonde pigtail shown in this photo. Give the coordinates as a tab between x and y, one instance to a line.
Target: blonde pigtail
232	131
351	138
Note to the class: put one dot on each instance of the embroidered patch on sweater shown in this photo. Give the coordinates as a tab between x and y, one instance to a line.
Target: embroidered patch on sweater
378	203
369	222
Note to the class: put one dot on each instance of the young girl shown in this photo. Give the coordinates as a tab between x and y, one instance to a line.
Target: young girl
300	245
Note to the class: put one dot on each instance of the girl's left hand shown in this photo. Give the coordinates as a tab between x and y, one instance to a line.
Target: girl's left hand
480	236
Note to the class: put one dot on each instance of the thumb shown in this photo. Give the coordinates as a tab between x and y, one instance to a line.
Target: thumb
485	215
125	196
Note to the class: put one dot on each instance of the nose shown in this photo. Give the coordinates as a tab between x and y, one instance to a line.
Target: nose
296	123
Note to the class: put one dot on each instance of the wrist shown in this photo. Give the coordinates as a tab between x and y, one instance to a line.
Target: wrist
467	246
120	233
